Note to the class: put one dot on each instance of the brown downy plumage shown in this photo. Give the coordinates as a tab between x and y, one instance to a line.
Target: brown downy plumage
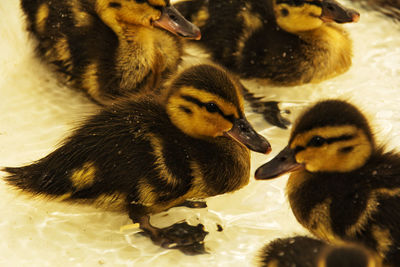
342	186
282	42
154	152
109	48
303	251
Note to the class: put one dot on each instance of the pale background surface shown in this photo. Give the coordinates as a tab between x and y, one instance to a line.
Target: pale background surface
36	112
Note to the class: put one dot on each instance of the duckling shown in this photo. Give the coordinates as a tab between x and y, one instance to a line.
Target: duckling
109	48
343	187
150	153
282	42
304	251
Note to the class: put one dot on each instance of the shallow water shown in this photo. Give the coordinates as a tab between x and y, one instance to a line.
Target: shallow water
37	112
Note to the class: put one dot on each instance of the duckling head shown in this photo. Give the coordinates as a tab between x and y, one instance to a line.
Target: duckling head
204	101
304	15
147	13
331	136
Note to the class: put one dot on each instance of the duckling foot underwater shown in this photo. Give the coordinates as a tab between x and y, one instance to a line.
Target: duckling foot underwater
187	238
154	152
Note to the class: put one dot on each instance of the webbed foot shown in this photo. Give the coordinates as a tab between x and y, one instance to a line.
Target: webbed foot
271	113
188	239
268	109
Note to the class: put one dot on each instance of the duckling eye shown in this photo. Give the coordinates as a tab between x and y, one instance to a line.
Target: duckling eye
212	107
316	141
284	12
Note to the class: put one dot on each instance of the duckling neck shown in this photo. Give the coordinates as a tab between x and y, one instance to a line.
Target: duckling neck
145	52
331	44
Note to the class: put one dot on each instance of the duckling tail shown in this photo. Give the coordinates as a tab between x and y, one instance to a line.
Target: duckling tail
36	179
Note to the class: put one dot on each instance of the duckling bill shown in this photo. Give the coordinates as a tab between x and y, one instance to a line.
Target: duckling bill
342	187
109	48
154	152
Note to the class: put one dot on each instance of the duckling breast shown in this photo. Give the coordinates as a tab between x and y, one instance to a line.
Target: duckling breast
224	166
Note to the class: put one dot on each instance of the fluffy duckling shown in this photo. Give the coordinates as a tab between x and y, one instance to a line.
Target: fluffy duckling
303	251
342	187
283	42
109	48
154	152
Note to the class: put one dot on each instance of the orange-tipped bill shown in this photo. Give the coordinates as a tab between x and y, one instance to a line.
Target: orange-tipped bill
332	11
282	163
173	21
245	134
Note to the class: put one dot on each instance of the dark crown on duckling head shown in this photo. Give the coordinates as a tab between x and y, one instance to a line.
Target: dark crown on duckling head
211	79
331	113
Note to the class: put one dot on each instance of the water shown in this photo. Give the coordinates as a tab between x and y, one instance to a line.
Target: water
37	112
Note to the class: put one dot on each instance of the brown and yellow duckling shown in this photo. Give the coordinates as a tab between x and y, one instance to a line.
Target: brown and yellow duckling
149	154
343	187
109	48
303	251
283	42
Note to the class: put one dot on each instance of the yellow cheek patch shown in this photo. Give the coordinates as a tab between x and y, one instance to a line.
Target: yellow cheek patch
197	121
84	177
299	18
41	18
329	157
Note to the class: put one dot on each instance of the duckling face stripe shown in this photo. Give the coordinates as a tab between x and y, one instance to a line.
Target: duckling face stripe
201	98
200	114
332	148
